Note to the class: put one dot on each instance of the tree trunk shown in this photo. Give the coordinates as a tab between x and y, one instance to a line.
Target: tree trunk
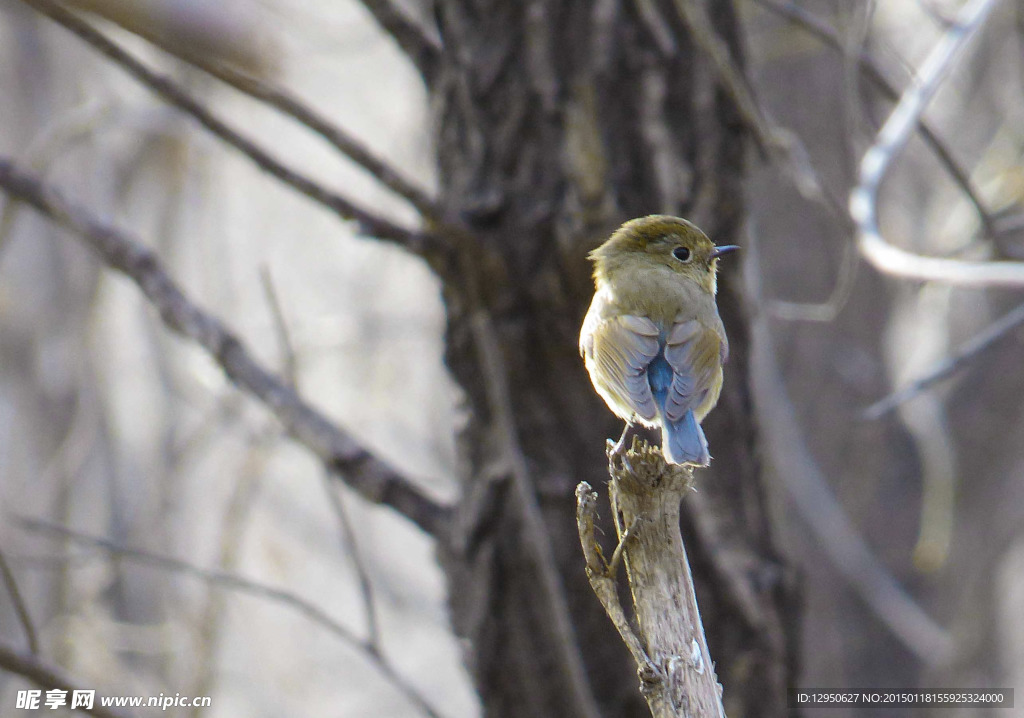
556	120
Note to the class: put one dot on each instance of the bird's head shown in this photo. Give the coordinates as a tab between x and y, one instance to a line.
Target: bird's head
658	242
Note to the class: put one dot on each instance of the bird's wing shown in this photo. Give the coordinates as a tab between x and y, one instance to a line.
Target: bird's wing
695	352
618	350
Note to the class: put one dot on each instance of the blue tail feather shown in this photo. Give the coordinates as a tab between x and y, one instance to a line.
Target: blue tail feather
683	441
659	376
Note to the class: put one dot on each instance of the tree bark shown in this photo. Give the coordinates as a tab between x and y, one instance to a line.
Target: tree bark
556	120
669	645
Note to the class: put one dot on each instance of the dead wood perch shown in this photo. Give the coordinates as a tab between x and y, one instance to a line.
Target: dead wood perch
676	674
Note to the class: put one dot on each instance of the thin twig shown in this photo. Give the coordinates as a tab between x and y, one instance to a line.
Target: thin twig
55	139
536	537
926	422
31	637
1010	223
703	33
839	538
655	134
283	101
732	565
210	625
49	677
889	143
368	222
604	22
774	141
828	310
348	534
940	16
242	585
966	352
289	363
655	23
602	579
539	53
340	453
204	31
805	19
423	50
259	88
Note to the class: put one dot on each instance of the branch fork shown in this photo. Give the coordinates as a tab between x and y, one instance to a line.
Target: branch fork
666	636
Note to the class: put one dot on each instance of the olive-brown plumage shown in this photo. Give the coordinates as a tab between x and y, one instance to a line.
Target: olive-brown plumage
652	340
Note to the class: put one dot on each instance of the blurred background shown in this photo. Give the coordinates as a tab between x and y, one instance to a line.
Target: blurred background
905	528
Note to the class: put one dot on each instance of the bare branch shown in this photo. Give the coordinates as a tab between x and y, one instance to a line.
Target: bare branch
655	23
255	84
242	585
602	578
535	535
369	223
729	76
31	636
281	100
204	32
803	479
891	140
969	350
840	540
348	533
239	507
657	137
289	362
776	142
1010	223
828	310
422	49
869	69
48	677
340	453
604	21
673	662
540	53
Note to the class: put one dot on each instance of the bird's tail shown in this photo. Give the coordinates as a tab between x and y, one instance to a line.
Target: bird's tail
683	441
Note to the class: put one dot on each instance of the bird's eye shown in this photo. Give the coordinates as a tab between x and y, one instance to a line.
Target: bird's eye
681	253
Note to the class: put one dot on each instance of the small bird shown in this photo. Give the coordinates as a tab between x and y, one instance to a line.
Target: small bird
652	340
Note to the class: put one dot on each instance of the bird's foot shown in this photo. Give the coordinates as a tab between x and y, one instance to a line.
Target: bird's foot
620	447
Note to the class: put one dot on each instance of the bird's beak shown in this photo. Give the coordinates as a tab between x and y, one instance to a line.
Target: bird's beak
719	251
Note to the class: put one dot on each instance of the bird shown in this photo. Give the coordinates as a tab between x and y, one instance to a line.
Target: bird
653	341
